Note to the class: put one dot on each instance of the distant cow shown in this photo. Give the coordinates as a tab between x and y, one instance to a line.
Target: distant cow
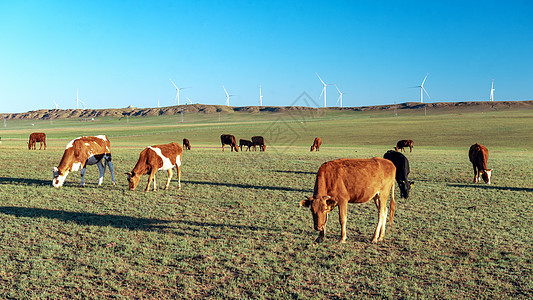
479	155
259	141
83	151
342	181
402	171
316	144
37	137
228	139
186	144
153	159
404	143
245	143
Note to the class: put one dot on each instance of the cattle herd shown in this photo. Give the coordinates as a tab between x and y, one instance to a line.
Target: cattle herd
338	182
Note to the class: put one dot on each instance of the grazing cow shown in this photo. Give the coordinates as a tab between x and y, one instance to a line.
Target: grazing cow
83	151
479	155
228	139
404	143
342	181
186	144
153	159
37	137
245	143
259	141
402	171
316	144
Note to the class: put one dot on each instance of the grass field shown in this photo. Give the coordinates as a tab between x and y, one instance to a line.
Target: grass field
235	229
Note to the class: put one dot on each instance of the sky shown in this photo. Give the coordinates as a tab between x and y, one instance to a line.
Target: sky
121	53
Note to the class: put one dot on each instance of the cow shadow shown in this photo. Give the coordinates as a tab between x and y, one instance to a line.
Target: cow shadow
247	186
25	181
295	172
491	187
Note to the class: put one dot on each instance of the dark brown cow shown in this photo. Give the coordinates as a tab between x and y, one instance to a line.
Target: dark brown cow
186	144
342	181
259	141
245	143
83	151
153	159
316	144
404	143
228	139
37	137
479	155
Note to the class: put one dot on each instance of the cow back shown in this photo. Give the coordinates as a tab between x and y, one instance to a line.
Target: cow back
478	155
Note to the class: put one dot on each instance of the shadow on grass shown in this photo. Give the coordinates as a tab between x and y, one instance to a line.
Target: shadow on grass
248	186
25	181
492	187
295	172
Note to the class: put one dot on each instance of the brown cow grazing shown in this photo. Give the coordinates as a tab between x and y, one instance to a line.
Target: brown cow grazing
228	139
259	141
37	137
153	159
342	181
186	144
316	144
404	143
83	151
245	143
479	155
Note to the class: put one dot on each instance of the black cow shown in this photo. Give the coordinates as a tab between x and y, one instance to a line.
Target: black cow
245	143
402	171
186	144
259	141
228	139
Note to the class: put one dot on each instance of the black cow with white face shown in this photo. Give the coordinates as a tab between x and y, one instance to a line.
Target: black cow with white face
402	171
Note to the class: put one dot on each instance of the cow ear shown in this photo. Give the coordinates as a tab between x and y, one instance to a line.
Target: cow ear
411	183
329	201
306	202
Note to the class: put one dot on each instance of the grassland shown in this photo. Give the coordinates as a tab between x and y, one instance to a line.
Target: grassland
235	230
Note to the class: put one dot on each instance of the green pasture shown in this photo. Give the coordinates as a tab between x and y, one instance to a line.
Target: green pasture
235	230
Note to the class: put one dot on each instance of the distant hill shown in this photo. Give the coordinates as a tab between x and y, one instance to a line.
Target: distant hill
47	114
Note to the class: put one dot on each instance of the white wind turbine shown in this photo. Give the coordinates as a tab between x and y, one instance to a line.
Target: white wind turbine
227	96
423	90
189	100
55	103
339	100
178	89
492	91
78	100
260	97
323	89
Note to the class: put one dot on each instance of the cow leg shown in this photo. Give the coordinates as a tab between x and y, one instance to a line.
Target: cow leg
169	178
111	170
101	170
82	174
222	147
476	175
381	204
179	175
151	177
343	212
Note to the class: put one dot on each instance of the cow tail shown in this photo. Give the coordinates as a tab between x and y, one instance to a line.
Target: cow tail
392	207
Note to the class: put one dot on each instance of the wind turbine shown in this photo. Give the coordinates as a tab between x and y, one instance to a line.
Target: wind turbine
227	96
423	90
189	100
492	91
340	95
55	103
323	89
178	89
78	100
260	97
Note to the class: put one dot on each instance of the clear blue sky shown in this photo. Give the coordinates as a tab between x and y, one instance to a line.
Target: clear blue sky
121	53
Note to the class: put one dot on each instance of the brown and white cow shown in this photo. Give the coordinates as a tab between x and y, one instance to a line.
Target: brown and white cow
259	141
404	143
228	139
479	155
342	181
186	144
37	137
155	158
83	151
316	144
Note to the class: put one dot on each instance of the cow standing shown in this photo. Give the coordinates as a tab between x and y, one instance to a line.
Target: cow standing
402	171
404	143
37	137
342	181
228	139
259	141
245	143
186	144
479	155
316	144
83	151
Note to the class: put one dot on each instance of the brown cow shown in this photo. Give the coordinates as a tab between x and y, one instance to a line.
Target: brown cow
316	144
259	141
228	139
479	155
245	143
37	137
404	143
153	159
186	144
83	151
342	181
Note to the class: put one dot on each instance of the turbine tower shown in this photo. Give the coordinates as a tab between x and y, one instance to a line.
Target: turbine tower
423	90
323	89
260	97
78	100
492	91
227	96
340	96
178	89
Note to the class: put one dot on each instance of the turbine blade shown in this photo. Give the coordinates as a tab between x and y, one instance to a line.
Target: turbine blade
426	92
173	84
320	78
424	79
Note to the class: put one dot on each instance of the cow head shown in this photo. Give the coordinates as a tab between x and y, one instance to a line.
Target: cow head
133	180
320	208
312	148
485	174
405	187
58	178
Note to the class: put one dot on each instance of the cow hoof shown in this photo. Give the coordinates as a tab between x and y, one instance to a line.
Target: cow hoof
342	241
